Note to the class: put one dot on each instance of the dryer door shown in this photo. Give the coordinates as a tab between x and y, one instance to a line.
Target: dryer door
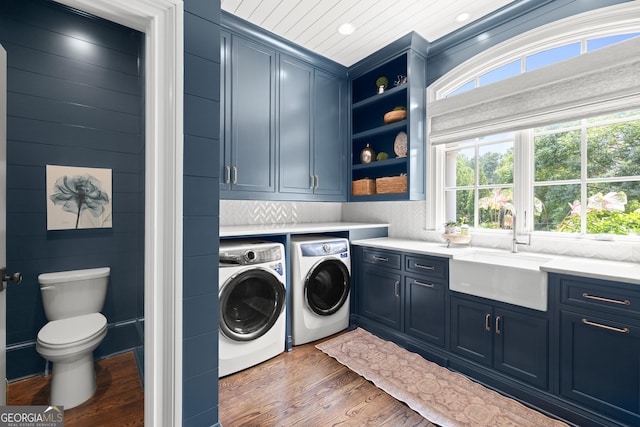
250	303
326	287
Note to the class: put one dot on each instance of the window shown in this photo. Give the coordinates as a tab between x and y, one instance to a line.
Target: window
580	176
587	176
479	182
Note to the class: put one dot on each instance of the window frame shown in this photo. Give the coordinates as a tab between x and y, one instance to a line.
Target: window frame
605	22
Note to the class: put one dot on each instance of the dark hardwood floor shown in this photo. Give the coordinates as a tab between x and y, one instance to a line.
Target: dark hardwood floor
118	400
305	387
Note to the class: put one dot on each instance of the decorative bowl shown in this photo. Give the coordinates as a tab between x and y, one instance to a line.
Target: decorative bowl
395	116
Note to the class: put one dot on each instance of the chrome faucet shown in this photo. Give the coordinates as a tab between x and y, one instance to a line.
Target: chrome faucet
514	239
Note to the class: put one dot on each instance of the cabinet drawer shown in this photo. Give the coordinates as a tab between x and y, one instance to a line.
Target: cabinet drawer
382	258
607	296
427	266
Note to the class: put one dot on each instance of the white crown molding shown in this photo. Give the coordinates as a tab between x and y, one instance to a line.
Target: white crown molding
162	23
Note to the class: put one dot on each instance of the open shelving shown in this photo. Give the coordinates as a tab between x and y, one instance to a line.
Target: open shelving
404	64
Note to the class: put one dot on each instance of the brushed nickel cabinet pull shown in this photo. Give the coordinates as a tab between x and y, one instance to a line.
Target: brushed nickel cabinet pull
498	325
426	285
317	181
379	258
612	301
228	179
397	288
235	175
607	327
425	267
487	319
312	182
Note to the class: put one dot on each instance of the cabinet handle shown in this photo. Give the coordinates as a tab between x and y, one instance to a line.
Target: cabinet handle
312	182
425	267
498	325
379	258
235	175
397	288
612	301
317	181
228	179
487	319
607	327
427	285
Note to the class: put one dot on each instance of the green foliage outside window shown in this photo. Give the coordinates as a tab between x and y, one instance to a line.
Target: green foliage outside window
613	205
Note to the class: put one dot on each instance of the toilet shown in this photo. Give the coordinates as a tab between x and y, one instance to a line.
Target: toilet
72	302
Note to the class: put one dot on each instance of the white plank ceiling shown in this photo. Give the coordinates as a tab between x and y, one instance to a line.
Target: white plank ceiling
314	23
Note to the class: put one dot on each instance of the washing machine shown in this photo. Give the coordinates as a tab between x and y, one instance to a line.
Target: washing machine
252	295
320	278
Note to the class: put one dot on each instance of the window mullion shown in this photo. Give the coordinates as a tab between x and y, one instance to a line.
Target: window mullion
583	178
523	179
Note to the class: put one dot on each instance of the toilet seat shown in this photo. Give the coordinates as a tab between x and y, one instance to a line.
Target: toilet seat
69	332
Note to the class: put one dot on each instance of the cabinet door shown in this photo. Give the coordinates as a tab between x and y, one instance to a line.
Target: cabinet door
424	309
521	346
295	127
379	296
471	330
600	364
329	135
225	111
252	116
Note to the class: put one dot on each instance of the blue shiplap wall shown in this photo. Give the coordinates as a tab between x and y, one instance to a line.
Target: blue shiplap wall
201	214
74	98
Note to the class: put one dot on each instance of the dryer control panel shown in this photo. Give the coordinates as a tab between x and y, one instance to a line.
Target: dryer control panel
243	256
331	247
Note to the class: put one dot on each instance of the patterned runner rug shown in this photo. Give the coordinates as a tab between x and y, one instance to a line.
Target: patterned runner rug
438	394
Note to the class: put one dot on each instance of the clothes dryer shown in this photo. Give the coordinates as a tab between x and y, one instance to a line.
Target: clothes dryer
252	296
320	280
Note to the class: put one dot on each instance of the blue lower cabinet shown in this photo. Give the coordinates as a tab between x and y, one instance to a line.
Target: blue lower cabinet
600	364
512	341
380	296
599	342
424	309
580	359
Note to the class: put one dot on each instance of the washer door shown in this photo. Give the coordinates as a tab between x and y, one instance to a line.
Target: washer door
250	303
327	287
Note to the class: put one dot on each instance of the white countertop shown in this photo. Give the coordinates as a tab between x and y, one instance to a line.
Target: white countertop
617	271
300	228
415	246
628	272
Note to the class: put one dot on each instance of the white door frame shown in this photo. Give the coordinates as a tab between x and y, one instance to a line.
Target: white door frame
162	23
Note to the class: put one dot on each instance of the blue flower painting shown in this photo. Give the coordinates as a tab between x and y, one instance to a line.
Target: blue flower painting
78	198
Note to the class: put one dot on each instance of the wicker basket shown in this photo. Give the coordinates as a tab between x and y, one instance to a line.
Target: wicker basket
363	187
391	184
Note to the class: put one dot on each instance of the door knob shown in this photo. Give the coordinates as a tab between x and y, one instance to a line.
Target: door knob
15	278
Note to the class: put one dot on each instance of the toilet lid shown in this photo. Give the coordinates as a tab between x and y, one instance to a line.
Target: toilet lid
73	329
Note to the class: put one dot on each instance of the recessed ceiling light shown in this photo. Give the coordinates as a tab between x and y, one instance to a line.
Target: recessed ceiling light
346	29
463	16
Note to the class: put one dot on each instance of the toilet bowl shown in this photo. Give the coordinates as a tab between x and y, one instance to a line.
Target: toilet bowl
72	301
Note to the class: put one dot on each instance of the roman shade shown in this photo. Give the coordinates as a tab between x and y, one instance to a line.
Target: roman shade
594	83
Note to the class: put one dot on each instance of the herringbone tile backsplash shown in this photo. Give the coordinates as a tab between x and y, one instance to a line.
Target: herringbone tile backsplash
241	212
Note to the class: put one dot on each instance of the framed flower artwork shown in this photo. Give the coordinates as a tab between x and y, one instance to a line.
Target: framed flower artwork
78	198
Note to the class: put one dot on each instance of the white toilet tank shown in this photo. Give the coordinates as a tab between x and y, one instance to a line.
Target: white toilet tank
73	293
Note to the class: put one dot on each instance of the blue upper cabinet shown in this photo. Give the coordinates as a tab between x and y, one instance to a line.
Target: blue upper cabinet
330	148
296	132
248	135
401	174
283	119
312	137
